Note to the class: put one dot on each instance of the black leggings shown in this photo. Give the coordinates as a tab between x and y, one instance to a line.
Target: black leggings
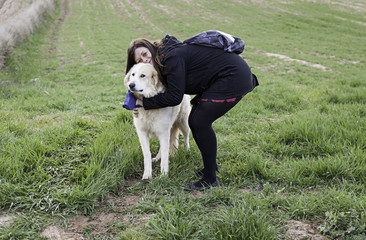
202	115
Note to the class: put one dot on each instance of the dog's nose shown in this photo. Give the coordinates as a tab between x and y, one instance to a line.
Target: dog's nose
132	86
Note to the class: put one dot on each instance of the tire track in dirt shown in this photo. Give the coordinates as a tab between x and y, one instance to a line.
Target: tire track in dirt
132	17
345	5
140	13
54	31
93	31
90	29
289	59
86	6
121	7
96	25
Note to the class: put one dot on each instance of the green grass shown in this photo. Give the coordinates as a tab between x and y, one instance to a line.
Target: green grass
292	149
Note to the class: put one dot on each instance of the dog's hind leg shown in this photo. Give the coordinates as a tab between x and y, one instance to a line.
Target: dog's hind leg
158	156
145	146
185	130
174	138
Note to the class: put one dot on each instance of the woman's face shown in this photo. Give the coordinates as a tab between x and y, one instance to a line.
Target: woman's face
142	54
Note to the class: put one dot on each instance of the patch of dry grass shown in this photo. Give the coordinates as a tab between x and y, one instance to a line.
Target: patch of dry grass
19	20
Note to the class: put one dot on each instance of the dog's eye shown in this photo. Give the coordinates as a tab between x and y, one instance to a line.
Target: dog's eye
142	75
133	74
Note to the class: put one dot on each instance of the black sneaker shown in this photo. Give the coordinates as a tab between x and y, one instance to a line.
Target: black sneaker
202	185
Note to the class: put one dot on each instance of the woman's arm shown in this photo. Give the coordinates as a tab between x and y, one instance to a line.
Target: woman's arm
176	79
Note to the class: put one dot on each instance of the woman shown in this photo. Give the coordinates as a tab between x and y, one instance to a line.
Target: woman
219	80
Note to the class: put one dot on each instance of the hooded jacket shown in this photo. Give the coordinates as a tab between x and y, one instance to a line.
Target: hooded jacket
209	73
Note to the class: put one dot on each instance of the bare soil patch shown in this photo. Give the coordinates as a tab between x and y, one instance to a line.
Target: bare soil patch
268	120
57	233
113	209
196	194
302	231
6	219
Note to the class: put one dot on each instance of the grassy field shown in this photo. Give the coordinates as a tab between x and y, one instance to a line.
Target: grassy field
292	153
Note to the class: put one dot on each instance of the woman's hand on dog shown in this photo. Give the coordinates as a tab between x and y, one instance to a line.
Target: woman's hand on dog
135	112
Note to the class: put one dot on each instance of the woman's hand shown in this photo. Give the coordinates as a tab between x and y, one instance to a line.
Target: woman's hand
135	112
139	97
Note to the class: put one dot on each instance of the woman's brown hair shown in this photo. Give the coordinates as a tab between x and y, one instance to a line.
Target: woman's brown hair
153	48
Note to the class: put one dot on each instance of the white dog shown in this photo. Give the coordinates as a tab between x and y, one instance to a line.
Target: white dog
163	123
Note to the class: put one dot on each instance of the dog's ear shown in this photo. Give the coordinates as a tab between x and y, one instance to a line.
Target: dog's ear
127	77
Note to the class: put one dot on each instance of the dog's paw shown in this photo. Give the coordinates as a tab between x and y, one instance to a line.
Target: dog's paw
147	175
187	146
164	171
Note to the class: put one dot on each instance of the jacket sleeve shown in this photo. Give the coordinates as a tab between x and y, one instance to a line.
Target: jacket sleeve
176	78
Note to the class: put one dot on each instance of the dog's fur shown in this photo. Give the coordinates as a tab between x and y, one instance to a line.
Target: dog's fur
163	123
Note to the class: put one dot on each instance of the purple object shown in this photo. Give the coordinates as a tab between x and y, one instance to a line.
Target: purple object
130	101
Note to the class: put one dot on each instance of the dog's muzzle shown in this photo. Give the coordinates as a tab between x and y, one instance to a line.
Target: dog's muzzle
132	86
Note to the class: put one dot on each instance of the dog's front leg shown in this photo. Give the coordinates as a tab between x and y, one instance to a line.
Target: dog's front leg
164	149
145	146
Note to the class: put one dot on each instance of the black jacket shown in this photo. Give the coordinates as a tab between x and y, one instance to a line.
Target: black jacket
210	73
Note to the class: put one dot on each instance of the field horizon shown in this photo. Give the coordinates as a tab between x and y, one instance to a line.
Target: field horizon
292	153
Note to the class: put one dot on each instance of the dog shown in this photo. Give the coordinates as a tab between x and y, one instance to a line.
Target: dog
164	123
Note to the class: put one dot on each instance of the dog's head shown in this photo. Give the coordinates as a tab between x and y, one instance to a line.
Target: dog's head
143	79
